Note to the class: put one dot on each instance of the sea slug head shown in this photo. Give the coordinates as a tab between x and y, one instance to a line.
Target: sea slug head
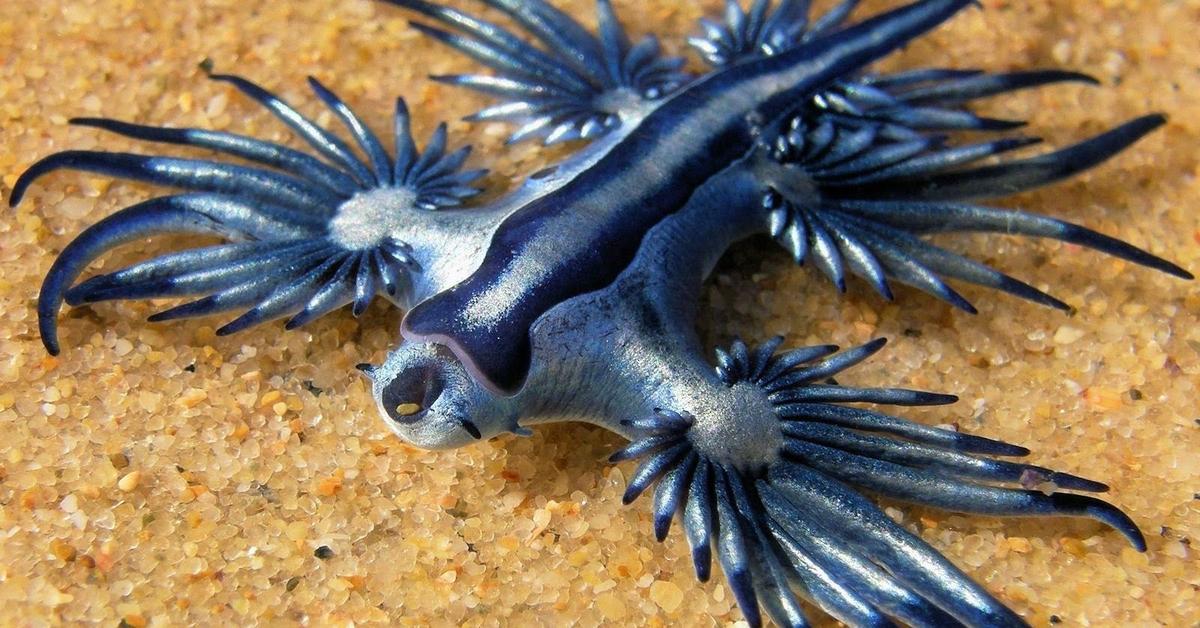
429	400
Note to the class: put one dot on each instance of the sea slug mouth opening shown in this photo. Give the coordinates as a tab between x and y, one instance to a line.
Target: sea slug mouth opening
428	399
412	393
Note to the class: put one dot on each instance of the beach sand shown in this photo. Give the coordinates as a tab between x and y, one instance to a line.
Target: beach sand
155	474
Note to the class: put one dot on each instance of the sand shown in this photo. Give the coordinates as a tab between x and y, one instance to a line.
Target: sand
155	474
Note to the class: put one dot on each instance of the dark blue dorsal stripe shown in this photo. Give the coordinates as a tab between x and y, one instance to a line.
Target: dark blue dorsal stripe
580	238
566	244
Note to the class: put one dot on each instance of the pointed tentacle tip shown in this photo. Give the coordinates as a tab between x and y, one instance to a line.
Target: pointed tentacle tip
367	369
50	340
939	399
1154	120
26	179
874	345
1133	533
1059	305
1107	514
470	427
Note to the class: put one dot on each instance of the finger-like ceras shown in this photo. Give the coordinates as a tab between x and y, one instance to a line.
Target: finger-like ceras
573	297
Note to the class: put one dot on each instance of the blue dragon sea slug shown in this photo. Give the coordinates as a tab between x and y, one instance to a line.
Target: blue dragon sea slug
573	297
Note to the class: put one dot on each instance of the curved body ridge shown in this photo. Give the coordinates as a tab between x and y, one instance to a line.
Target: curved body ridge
573	297
630	336
578	238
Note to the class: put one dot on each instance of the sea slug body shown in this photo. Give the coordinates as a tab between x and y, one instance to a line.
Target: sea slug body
573	297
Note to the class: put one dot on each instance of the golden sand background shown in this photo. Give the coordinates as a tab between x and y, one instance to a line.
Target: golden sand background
156	474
